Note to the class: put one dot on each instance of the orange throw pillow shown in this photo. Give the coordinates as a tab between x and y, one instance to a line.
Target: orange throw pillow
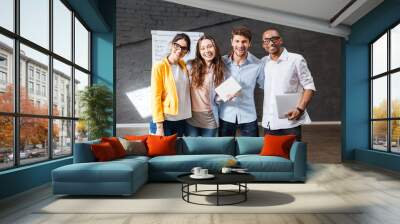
277	145
136	137
103	151
116	145
161	145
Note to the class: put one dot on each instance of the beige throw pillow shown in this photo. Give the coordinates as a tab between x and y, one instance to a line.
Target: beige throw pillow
134	147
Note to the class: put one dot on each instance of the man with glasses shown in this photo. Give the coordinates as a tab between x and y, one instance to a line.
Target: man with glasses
285	73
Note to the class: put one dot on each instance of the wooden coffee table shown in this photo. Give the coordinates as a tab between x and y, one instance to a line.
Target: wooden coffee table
238	179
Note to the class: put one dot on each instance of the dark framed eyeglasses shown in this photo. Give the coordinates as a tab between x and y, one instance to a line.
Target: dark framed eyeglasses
272	39
179	47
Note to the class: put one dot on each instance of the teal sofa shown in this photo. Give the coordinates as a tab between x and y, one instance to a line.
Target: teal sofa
125	176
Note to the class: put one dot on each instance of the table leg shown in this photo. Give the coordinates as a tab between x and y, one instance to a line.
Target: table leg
217	194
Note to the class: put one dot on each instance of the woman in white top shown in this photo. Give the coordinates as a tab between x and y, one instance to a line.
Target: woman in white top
206	72
170	91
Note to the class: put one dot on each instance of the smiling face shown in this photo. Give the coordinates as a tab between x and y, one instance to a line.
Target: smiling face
272	41
178	49
240	45
207	50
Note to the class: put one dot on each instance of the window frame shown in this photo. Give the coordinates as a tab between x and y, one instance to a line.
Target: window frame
388	74
16	114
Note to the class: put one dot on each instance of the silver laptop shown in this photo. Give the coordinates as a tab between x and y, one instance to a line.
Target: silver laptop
286	103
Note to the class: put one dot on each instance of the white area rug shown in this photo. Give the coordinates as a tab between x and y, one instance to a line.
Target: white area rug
166	198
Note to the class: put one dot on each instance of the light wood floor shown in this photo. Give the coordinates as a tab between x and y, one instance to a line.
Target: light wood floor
377	188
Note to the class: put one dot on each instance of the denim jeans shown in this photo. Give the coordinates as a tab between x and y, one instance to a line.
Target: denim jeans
290	131
204	132
170	127
246	129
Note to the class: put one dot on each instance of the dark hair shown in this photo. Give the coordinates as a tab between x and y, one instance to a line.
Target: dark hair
199	66
242	31
274	29
184	37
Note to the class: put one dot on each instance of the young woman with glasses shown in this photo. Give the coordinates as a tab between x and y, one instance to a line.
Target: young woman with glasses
206	72
170	90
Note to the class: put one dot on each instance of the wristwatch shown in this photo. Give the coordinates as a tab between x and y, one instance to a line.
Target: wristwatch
300	110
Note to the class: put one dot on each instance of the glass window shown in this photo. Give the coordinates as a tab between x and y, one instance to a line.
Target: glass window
81	45
7	14
395	95
30	87
62	29
6	74
385	92
379	135
40	62
35	21
395	47
34	80
33	140
62	138
379	98
379	56
81	131
6	142
81	81
395	136
62	74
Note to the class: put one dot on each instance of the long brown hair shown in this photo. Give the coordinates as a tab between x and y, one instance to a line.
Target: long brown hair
199	66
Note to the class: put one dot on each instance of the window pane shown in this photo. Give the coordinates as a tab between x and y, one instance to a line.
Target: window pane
379	97
379	135
62	29
35	21
379	55
6	142
33	139
62	136
6	74
395	136
34	79
81	81
62	89
81	45
395	94
7	14
395	47
81	131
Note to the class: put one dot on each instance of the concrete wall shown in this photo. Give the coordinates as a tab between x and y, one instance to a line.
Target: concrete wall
135	20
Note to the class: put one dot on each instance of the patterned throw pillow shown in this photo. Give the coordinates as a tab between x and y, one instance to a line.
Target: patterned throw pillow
134	147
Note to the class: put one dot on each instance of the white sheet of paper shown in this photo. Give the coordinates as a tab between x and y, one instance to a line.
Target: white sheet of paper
228	87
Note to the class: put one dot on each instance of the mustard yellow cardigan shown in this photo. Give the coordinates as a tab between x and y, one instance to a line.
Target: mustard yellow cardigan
164	98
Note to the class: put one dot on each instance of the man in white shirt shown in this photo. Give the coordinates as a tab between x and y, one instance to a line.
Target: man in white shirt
285	73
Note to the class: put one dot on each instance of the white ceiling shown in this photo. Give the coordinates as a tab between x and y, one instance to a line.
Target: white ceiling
314	15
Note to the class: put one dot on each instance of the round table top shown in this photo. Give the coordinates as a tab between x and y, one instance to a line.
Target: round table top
220	178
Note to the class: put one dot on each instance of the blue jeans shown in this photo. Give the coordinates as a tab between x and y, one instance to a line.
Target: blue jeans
246	129
289	131
170	127
195	131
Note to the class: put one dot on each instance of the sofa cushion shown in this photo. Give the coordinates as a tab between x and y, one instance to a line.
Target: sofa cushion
134	147
208	145
161	145
103	151
257	163
277	145
112	171
185	163
249	145
116	145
